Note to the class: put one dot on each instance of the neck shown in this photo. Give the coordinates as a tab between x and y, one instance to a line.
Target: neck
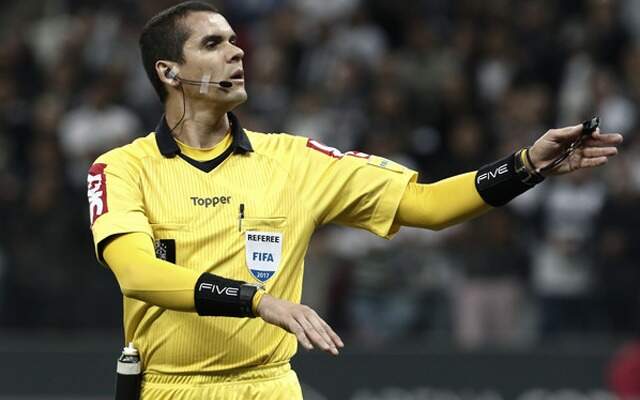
202	126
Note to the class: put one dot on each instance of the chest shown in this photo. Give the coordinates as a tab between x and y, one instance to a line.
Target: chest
242	187
245	213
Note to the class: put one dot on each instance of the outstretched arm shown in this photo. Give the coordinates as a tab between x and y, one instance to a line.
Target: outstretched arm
462	197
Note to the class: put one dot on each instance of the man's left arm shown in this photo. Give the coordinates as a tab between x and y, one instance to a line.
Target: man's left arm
462	197
439	205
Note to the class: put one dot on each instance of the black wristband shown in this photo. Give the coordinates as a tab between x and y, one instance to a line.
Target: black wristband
217	296
500	182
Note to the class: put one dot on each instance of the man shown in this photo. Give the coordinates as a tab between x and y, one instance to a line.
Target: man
191	217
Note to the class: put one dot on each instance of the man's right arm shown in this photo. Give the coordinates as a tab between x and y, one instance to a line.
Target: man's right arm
144	277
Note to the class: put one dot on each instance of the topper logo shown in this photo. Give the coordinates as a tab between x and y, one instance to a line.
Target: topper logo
501	170
207	202
96	192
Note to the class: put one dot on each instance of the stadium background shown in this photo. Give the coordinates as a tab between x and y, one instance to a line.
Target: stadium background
540	300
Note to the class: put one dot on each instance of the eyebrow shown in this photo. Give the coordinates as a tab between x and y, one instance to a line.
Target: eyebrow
215	38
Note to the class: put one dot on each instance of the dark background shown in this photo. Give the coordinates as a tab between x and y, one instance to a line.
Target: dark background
440	86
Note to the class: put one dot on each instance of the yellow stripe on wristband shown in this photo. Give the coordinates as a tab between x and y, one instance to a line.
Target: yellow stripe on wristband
523	158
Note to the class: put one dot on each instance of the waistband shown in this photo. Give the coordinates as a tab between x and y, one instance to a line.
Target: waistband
245	374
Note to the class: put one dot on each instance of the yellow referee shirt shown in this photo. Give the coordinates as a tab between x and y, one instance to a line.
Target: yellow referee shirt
248	215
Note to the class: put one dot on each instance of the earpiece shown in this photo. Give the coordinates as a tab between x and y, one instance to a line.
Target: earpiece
170	73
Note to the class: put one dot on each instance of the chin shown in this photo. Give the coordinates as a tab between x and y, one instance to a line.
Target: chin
228	101
237	98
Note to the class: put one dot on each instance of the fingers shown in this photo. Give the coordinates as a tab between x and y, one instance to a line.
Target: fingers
310	330
299	331
593	162
593	152
327	333
562	135
596	156
315	337
598	139
334	336
315	330
327	344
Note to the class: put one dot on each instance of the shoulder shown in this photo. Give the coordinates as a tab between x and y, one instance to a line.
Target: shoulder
300	148
275	143
131	155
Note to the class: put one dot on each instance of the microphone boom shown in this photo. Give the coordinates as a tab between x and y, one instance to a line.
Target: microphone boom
224	84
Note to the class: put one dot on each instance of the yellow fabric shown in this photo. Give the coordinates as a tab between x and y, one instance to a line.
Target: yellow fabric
144	277
288	186
274	383
256	301
206	154
441	204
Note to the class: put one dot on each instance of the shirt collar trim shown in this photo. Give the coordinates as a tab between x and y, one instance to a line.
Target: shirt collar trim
169	148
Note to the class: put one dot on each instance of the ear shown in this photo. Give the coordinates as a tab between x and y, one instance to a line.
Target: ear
168	73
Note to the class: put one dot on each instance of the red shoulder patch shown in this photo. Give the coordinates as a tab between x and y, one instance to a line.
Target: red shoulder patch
332	151
97	191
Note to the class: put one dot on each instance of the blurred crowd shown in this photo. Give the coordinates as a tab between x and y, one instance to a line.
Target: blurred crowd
440	86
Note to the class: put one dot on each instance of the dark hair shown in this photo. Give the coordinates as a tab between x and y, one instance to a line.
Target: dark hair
163	38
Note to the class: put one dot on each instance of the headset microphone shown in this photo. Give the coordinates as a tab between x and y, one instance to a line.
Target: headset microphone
224	84
171	74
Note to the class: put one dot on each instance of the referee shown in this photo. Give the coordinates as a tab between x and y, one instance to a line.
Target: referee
205	224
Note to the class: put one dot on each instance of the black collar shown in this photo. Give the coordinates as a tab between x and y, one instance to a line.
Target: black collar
169	148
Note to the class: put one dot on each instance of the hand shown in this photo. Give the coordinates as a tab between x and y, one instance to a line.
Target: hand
302	321
595	150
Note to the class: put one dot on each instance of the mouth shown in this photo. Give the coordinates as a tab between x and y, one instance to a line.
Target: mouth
238	75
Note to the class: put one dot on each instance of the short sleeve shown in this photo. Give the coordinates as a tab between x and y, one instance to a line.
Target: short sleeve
115	198
353	188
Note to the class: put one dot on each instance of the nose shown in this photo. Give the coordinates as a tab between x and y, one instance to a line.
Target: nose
237	54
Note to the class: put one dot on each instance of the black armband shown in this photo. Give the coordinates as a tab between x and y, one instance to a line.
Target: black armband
217	296
500	182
